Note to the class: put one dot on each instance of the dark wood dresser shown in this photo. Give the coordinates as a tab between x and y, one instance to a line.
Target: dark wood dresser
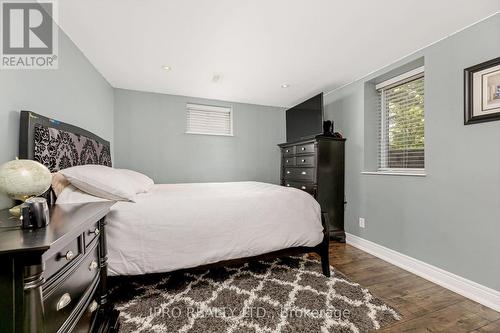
53	279
316	165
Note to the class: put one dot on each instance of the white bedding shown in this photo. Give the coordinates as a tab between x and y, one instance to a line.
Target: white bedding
186	225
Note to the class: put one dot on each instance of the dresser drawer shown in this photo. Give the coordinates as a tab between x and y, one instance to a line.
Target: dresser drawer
307	187
60	302
306	160
307	148
289	161
91	234
84	324
288	151
63	258
302	174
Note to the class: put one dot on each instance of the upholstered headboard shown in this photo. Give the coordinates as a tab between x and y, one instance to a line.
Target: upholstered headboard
58	145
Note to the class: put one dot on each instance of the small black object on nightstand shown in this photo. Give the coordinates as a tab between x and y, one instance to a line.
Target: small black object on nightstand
53	279
35	213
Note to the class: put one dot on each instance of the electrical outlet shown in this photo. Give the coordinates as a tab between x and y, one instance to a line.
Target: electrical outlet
361	222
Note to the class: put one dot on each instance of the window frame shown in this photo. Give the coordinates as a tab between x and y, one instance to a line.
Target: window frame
208	108
406	77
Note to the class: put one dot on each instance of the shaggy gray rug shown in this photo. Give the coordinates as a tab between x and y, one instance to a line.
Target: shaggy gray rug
283	295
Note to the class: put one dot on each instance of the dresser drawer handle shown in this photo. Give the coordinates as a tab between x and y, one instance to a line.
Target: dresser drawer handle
304	173
93	306
286	161
63	301
303	187
96	231
303	148
303	161
287	151
288	172
288	185
93	265
69	255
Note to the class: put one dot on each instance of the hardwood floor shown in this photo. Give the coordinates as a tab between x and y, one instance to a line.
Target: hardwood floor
425	306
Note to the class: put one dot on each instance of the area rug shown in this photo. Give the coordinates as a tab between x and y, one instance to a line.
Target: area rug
283	295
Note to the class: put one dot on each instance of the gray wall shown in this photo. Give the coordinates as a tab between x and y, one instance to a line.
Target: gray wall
451	217
74	93
150	137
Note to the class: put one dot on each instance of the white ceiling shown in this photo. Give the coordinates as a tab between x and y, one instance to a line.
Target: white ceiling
257	45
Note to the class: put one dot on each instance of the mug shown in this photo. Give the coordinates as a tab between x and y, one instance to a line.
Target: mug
35	213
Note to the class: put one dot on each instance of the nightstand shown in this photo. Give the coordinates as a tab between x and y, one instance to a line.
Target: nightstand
53	279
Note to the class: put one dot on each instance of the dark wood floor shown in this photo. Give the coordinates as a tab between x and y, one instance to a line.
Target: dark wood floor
425	306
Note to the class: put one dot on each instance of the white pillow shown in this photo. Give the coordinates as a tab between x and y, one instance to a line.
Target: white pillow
101	181
139	181
72	195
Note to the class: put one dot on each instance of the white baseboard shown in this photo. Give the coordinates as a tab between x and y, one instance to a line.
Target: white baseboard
472	290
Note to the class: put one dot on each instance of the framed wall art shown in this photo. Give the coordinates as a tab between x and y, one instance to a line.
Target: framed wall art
482	92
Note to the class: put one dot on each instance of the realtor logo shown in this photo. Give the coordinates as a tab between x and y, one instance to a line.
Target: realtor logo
29	35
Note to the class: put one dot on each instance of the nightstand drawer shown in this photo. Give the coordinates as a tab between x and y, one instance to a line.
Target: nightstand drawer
89	312
305	148
91	234
61	301
307	187
289	161
301	174
307	160
288	151
63	258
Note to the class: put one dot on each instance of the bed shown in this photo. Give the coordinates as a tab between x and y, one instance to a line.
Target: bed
181	226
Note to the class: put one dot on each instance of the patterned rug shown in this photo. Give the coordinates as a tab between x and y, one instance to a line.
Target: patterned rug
283	295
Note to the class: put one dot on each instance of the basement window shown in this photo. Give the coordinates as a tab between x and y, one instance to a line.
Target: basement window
209	120
401	124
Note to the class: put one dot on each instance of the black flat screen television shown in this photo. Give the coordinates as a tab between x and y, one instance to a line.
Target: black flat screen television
305	120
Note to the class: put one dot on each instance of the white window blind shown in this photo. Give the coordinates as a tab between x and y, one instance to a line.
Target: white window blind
401	119
211	120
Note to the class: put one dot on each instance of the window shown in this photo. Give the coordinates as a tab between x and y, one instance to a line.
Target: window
211	120
401	112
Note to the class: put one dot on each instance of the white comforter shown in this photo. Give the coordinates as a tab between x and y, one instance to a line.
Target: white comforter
186	225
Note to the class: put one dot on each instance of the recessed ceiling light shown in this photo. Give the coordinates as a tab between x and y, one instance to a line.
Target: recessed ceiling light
216	77
167	68
285	85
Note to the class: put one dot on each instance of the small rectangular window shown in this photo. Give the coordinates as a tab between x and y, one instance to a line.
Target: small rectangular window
401	119
210	120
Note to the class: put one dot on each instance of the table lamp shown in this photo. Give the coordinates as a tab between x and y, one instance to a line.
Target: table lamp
23	179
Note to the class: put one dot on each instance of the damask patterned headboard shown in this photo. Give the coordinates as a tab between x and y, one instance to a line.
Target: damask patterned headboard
58	145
